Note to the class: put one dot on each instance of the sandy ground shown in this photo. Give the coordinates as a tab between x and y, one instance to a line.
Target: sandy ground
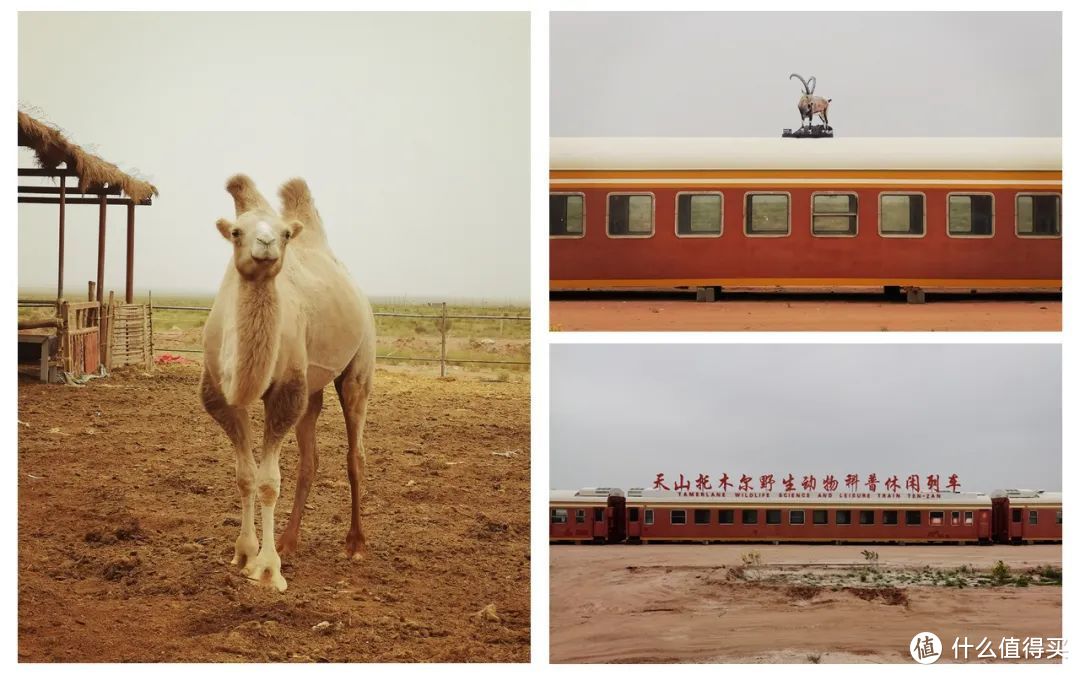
769	310
703	604
128	511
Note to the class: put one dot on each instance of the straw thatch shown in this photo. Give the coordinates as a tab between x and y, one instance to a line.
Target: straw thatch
53	149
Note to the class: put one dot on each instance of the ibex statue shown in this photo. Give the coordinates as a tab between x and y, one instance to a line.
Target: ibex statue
810	105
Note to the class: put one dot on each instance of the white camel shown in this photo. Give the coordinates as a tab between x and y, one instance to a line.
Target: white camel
286	322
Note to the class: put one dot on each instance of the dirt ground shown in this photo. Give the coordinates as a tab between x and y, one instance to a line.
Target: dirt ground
128	510
798	604
808	310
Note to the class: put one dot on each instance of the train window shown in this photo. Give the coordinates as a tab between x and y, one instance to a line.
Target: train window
913	517
630	215
772	516
633	515
820	516
796	517
699	214
648	516
579	517
1018	515
955	518
558	516
768	214
598	514
1038	215
843	517
937	517
726	516
902	215
1059	517
835	215
678	517
969	518
701	517
971	215
1033	517
866	517
566	215
749	517
889	517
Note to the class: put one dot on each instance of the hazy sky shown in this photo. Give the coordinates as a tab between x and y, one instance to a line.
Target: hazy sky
726	73
411	129
989	413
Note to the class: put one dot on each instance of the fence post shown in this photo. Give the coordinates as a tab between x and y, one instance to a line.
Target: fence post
443	328
150	320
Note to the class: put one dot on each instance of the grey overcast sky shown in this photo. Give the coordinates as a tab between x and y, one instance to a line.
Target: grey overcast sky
412	130
622	413
726	73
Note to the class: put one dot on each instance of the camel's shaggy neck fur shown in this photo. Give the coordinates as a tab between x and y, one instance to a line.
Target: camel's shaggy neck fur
258	340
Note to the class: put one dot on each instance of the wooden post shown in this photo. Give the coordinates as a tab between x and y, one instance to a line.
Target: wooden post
129	289
101	250
443	328
150	331
90	291
60	266
107	346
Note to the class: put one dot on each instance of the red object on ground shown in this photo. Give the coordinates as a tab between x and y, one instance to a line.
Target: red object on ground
165	359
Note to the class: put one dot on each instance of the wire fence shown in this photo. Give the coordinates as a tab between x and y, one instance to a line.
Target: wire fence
441	319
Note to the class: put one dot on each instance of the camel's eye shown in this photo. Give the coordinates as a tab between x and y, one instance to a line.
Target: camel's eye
236	233
288	235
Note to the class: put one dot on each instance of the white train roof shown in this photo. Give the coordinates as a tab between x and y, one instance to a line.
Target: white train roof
584	495
840	497
613	154
1028	496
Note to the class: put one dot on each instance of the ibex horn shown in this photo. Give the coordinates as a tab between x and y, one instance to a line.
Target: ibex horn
806	89
813	84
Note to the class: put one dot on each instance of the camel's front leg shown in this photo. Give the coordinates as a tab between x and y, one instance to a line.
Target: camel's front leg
234	421
284	403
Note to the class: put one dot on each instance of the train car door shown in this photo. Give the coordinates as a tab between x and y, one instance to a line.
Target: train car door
1016	524
633	522
600	523
983	526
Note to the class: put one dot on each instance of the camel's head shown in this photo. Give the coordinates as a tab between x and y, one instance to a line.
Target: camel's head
259	240
259	236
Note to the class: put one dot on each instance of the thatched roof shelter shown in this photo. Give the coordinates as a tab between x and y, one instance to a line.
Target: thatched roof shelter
99	183
52	149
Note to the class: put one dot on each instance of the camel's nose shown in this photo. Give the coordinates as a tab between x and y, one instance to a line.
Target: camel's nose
265	241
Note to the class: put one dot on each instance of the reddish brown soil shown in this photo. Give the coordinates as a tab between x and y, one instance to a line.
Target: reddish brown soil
800	604
808	311
128	510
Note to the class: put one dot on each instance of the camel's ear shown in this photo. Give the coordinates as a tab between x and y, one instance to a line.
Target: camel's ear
225	228
295	228
245	196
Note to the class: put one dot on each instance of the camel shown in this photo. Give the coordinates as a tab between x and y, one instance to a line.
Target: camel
286	322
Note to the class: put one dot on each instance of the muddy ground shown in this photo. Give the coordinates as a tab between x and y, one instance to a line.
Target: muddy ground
793	603
772	310
128	510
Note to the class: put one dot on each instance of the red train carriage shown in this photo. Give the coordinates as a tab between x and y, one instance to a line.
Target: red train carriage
1024	516
657	515
884	212
589	514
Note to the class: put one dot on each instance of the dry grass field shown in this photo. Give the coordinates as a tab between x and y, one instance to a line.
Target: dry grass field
794	603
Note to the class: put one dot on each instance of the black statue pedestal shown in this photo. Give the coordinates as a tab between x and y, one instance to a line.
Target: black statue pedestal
818	131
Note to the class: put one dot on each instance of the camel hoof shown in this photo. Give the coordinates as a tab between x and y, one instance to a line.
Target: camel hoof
247	547
287	545
356	550
266	571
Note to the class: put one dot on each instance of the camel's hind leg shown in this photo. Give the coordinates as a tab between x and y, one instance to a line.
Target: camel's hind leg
309	466
354	387
234	420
